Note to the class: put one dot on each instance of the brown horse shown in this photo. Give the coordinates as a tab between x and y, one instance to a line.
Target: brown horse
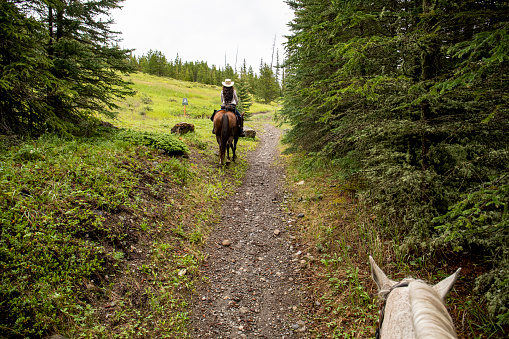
225	125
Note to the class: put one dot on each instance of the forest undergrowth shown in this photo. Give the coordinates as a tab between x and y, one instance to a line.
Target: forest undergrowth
341	231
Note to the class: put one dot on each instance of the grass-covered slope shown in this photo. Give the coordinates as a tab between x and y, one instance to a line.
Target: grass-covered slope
101	236
161	98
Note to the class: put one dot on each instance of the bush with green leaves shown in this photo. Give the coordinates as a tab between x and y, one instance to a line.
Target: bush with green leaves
53	195
480	220
166	142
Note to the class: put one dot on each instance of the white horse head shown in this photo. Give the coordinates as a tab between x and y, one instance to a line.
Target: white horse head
412	308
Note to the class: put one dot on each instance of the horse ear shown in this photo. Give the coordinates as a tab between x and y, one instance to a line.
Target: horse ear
379	276
445	286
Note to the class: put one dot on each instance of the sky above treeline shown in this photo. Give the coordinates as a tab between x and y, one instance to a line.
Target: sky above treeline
205	30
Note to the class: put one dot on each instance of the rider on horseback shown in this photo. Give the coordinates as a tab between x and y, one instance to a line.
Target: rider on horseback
229	99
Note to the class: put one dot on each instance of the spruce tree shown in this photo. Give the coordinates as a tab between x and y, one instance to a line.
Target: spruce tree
24	72
412	98
71	52
85	57
245	99
267	88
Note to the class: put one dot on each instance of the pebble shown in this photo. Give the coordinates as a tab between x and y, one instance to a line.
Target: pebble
226	242
299	326
276	232
182	272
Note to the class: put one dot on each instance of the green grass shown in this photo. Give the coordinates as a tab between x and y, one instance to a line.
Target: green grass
163	97
102	237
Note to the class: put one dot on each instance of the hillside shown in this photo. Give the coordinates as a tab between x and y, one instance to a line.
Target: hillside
101	235
161	98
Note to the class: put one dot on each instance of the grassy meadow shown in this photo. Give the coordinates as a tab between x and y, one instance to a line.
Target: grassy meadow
102	236
158	103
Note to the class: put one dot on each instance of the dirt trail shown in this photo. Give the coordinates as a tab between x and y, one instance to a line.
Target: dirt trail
254	288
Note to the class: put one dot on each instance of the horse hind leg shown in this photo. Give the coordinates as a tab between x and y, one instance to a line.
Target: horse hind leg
234	149
228	146
221	150
221	157
224	137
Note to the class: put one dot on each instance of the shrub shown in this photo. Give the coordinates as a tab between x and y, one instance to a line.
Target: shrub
166	142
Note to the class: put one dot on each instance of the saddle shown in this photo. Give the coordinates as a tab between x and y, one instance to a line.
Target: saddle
228	108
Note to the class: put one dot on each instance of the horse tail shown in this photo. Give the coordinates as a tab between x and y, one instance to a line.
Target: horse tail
225	128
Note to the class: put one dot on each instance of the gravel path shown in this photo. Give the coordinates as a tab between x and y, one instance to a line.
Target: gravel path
253	265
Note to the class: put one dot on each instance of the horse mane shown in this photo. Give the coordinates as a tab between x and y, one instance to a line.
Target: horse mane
431	319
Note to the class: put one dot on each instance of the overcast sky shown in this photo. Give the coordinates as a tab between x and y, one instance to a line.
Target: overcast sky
205	30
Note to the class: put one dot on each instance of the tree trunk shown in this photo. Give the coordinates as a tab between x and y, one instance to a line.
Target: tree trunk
429	58
50	28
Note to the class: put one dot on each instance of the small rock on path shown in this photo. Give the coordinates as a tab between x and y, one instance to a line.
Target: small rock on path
253	290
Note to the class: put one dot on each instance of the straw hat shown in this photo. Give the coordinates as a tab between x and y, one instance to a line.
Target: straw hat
228	83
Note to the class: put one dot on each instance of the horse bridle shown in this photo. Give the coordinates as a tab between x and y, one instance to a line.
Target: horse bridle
384	302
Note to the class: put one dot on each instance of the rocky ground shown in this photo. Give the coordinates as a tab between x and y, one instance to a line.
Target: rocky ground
253	286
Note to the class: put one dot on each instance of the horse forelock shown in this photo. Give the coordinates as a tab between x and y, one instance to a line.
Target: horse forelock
384	294
429	314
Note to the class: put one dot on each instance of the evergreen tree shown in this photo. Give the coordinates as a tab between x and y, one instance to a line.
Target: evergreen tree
409	96
278	75
251	80
70	68
155	64
24	72
229	73
85	57
267	87
245	99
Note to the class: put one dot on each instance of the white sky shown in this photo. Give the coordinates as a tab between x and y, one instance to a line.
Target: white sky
205	30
